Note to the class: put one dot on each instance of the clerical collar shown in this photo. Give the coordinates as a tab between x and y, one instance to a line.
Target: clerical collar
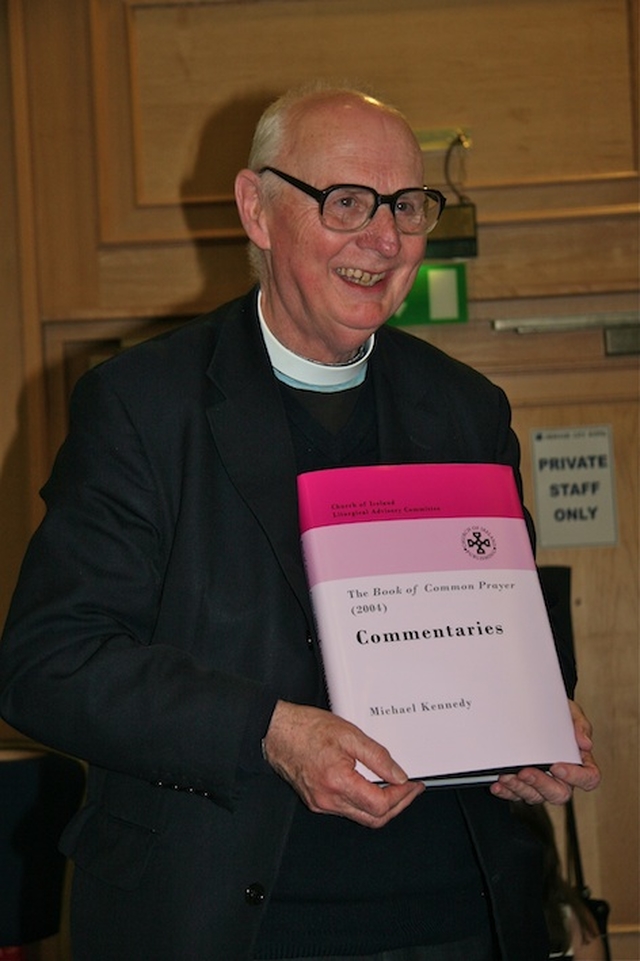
307	374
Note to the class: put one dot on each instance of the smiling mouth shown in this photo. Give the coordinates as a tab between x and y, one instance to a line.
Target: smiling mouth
361	277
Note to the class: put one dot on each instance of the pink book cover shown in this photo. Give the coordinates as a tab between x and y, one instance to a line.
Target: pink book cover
434	634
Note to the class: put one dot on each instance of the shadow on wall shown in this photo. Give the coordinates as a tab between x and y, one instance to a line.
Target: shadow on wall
223	150
14	508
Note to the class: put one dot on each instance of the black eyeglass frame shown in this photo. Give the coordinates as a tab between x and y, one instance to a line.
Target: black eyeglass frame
320	196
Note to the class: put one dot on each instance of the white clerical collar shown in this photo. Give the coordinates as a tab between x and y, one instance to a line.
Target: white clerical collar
308	374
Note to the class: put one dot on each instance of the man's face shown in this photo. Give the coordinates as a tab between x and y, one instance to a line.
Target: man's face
326	292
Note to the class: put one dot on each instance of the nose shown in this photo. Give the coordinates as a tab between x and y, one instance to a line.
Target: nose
381	233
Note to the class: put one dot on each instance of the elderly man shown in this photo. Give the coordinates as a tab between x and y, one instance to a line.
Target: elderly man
161	627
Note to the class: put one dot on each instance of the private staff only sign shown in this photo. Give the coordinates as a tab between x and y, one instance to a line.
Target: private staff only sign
574	486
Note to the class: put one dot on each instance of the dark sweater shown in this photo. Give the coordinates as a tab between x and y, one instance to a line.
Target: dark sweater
344	888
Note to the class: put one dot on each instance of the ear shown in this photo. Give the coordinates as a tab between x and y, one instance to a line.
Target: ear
248	192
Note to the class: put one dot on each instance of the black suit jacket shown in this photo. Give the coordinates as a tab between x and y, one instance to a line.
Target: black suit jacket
161	609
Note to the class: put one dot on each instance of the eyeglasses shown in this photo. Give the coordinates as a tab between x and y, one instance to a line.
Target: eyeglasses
345	207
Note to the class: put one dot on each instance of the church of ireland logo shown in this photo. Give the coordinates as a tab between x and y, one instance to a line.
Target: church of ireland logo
479	543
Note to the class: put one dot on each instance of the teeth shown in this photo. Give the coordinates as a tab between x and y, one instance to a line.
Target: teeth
358	276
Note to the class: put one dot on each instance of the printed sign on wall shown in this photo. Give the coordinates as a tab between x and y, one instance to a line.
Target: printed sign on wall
574	486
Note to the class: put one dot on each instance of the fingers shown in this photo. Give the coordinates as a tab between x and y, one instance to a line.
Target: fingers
316	752
556	786
372	805
532	786
582	727
586	776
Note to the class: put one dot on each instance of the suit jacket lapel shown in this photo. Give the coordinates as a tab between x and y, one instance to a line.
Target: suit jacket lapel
249	425
252	436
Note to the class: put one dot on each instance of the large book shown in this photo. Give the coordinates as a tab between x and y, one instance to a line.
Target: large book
434	633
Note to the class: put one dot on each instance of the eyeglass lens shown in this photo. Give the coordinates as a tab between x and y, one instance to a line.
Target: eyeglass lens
349	208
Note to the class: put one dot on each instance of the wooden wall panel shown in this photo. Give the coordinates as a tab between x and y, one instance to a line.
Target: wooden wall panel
606	625
491	66
191	79
547	256
158	102
179	86
62	150
14	514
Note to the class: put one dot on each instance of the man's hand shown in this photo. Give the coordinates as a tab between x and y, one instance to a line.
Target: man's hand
555	786
316	752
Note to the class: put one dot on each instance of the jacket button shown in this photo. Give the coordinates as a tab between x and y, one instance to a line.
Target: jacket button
254	894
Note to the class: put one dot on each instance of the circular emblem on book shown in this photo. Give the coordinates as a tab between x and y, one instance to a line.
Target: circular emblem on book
479	543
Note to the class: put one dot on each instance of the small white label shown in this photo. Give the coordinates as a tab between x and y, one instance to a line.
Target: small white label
443	293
